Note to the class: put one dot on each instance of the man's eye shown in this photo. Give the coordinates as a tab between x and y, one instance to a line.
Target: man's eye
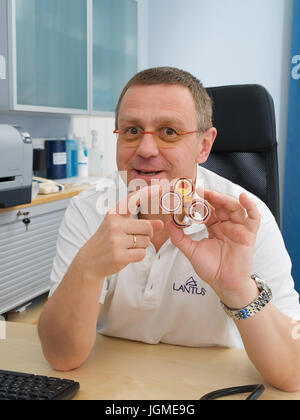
169	131
132	131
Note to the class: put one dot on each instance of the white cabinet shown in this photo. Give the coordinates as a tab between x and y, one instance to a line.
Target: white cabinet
45	46
51	53
66	56
114	50
26	257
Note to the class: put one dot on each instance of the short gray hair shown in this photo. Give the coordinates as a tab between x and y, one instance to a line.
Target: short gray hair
174	76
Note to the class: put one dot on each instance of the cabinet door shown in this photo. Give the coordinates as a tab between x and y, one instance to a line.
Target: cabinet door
26	258
51	53
114	50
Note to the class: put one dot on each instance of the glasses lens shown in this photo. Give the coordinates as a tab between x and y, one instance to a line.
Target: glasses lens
128	142
168	134
164	137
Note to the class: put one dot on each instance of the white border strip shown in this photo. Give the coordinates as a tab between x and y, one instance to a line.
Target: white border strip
2	330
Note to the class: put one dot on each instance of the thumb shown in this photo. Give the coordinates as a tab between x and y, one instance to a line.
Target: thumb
180	240
157	225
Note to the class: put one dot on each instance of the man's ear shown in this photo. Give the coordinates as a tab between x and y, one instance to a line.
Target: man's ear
207	141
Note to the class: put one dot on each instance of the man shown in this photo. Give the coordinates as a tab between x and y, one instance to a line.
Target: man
142	278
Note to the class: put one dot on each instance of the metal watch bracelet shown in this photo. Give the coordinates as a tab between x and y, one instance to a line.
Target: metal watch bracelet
256	306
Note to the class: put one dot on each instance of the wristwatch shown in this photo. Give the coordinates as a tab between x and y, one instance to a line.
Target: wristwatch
256	306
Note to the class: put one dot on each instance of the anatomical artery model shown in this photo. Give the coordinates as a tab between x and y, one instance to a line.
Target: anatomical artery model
181	202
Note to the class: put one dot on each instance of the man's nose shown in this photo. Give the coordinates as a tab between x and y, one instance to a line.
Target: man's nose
147	147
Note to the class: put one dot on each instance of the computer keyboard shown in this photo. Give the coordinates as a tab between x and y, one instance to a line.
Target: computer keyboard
23	386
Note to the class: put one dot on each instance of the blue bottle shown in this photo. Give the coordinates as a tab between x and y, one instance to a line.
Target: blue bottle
56	158
72	157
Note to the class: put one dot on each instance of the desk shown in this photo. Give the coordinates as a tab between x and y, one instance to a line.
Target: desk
121	369
69	192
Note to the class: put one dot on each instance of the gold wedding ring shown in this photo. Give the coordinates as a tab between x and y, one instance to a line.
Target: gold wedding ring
134	241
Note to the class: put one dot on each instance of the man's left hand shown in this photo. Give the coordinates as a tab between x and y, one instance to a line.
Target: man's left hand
224	259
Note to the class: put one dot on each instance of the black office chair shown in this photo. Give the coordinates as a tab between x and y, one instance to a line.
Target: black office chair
245	150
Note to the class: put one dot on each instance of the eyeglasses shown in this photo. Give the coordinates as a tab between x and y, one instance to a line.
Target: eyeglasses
165	136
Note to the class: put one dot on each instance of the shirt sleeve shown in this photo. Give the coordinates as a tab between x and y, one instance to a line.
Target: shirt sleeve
74	232
71	237
81	220
273	264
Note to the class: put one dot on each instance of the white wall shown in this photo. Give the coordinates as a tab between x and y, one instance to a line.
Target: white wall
219	41
224	42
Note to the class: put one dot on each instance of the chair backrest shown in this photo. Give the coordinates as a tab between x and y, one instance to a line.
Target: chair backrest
245	150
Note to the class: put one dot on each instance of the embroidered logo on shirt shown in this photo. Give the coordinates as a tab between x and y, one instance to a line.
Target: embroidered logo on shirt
190	287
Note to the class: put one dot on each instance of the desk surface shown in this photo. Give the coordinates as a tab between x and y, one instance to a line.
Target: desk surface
69	192
121	369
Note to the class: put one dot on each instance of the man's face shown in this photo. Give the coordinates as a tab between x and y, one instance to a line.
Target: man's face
156	107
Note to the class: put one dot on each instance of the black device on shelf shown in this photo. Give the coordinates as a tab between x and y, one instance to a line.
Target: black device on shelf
23	386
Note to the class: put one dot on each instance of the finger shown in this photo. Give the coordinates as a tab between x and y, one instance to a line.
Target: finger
238	216
200	191
253	220
180	240
221	214
128	205
137	241
135	255
138	227
250	206
157	225
212	218
226	207
237	233
143	227
122	207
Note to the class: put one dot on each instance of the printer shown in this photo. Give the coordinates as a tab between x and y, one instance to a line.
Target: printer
16	165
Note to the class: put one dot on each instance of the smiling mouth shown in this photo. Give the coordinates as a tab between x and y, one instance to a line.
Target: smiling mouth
149	173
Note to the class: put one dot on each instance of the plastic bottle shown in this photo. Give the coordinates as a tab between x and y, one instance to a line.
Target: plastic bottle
96	158
83	163
72	156
56	158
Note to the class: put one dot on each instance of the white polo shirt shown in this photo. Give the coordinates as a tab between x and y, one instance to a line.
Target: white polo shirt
161	299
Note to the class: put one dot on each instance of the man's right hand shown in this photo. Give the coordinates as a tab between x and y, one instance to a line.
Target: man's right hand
111	248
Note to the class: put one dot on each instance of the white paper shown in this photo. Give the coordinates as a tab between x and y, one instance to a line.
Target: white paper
2	330
60	158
